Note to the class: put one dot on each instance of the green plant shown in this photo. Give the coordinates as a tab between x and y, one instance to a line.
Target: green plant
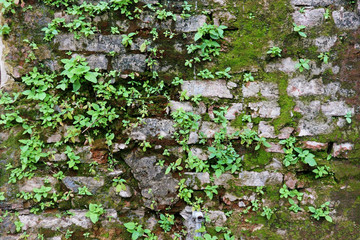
119	184
41	192
274	51
302	64
114	30
322	211
299	29
327	14
68	234
127	40
166	221
95	211
210	191
214	32
321	171
137	231
206	74
84	191
248	77
324	57
224	74
2	197
5	29
73	159
18	225
267	212
348	116
302	10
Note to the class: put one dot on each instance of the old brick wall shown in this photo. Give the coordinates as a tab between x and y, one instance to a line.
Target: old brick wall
317	107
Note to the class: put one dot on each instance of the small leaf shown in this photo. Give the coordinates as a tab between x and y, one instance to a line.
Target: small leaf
328	218
91	76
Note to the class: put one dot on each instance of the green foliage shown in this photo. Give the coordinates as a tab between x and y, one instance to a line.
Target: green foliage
52	29
137	231
18	225
2	197
324	57
84	191
224	74
248	77
41	192
119	184
95	211
212	31
211	190
321	171
206	74
166	221
8	6
348	116
274	52
4	29
58	3
322	211
327	14
302	64
267	212
127	40
299	29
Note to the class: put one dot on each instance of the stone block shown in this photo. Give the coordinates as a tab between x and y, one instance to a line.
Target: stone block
324	43
314	145
37	182
275	148
309	18
286	65
207	88
257	179
96	61
299	86
341	149
315	3
152	127
233	110
266	130
95	43
187	107
191	24
336	108
74	183
346	20
131	62
265	109
197	181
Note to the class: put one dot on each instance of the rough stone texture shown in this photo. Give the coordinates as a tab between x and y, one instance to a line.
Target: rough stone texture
266	130
191	24
216	88
309	18
218	218
267	90
233	111
197	180
285	132
314	127
346	20
210	128
198	152
127	193
275	148
37	182
336	108
286	65
152	127
187	107
223	179
299	86
96	43
342	149
267	109
257	179
324	43
314	145
314	3
151	176
134	62
74	183
96	61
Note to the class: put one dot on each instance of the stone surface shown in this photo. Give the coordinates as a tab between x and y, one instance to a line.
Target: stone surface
314	127
346	20
341	149
314	145
206	88
95	43
153	182
336	108
233	111
152	127
275	148
285	132
197	181
187	107
37	182
190	24
257	179
299	86
127	193
133	62
286	65
74	183
314	3
96	61
324	43
223	180
264	89
309	18
266	130
218	218
198	152
265	109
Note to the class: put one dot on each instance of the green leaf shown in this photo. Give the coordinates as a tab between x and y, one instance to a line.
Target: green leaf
94	218
328	218
130	225
91	76
76	86
302	34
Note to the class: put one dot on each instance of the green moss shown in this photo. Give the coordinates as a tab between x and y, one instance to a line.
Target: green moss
256	159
